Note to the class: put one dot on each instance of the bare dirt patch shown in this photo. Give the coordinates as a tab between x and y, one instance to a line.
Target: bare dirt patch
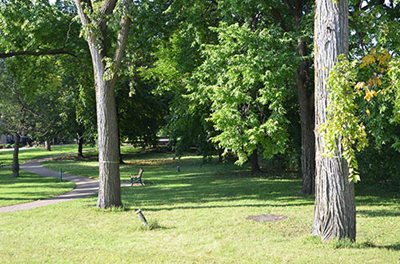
266	218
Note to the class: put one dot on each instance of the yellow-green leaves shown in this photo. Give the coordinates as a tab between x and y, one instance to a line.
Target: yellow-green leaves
343	125
361	94
394	75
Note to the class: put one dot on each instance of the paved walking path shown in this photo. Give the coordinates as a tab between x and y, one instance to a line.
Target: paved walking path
84	187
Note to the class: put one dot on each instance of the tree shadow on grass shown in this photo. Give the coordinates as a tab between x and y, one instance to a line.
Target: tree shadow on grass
221	206
367	245
171	189
394	247
379	213
199	183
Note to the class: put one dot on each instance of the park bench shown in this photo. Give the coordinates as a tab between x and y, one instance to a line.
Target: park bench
137	178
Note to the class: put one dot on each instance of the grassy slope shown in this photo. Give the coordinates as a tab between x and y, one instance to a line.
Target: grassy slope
202	212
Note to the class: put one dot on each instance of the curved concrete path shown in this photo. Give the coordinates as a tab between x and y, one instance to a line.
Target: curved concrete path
84	187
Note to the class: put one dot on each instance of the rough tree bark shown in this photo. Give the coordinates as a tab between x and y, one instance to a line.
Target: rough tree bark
109	176
15	165
334	213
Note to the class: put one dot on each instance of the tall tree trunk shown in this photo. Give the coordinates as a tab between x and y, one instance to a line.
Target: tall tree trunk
255	167
109	178
334	214
47	145
80	145
15	165
306	122
220	152
107	124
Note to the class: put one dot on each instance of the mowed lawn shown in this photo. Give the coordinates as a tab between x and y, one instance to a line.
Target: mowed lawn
200	216
29	187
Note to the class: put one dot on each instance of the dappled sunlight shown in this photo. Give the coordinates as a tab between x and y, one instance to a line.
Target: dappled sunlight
194	183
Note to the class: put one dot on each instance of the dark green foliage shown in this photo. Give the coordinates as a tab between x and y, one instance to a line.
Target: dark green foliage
380	164
141	114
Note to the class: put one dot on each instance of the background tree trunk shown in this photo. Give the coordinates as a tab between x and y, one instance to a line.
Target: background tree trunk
220	152
307	126
47	145
121	160
15	165
255	167
334	215
80	145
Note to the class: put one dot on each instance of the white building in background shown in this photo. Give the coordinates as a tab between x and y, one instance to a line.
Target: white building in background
3	139
6	139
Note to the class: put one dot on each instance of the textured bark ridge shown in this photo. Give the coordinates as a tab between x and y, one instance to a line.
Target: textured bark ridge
334	215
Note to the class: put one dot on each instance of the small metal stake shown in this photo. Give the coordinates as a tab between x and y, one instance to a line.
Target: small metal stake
61	174
141	217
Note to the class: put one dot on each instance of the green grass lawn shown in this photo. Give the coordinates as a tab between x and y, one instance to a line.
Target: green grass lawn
28	187
201	217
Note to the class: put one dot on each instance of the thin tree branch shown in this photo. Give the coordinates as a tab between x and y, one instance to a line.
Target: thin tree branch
79	5
108	7
122	41
36	53
106	10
